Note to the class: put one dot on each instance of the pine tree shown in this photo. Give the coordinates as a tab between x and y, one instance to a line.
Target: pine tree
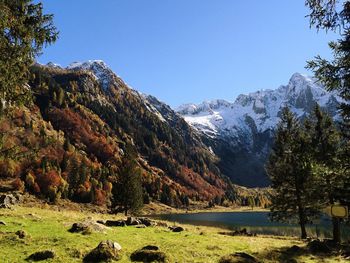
289	168
335	73
127	191
24	30
325	144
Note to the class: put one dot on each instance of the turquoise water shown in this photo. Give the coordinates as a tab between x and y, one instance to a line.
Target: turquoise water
255	222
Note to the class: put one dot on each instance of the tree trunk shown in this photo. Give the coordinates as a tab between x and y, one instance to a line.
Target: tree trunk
303	230
301	213
336	230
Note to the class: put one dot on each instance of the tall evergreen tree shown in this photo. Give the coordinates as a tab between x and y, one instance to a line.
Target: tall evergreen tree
335	74
24	31
326	144
127	191
289	168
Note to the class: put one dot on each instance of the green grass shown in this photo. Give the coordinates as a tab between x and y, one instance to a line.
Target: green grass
47	229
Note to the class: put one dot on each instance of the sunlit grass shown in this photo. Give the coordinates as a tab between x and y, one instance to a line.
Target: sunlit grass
47	229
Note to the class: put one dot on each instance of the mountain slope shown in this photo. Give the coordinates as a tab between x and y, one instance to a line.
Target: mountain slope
240	132
85	118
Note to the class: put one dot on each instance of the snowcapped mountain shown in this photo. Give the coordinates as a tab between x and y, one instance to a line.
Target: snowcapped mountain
100	70
238	134
241	132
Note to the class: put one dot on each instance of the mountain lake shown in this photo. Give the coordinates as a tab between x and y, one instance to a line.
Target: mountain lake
256	222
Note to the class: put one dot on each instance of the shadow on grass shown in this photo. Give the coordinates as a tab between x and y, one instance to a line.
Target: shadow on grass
318	251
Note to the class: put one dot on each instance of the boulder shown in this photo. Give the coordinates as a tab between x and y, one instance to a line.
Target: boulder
105	251
41	255
115	223
318	247
146	221
148	253
79	228
176	228
21	234
132	221
7	200
238	257
86	227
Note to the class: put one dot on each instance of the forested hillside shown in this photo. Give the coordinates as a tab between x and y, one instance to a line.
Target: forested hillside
71	142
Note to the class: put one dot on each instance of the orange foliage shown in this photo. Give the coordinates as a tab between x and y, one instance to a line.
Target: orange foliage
80	131
100	197
47	180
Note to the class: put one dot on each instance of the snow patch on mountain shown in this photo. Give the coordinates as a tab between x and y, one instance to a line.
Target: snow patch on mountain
99	70
258	110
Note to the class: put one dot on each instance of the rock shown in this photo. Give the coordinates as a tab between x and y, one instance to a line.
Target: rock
41	255
7	200
317	246
132	221
115	223
2	223
79	227
176	228
238	257
87	227
148	253
146	221
21	234
105	251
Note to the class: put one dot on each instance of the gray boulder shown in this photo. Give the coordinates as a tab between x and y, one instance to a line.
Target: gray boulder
105	251
7	200
132	221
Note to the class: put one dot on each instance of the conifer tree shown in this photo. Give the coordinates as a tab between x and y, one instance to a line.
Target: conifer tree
127	191
326	145
335	74
24	31
289	168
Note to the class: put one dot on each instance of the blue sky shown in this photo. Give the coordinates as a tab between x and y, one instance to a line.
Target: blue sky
188	50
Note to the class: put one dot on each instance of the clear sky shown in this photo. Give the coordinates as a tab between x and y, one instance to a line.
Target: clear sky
188	50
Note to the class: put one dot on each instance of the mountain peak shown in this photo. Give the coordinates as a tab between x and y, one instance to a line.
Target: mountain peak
299	79
87	64
101	71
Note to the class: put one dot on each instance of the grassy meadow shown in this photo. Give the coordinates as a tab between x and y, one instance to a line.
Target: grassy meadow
48	229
